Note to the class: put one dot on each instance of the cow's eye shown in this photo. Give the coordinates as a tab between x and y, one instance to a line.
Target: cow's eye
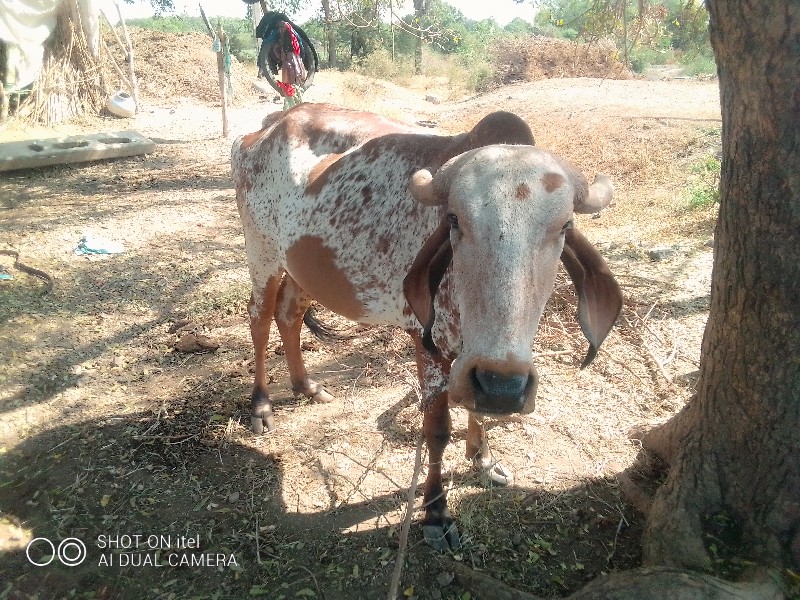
568	225
453	220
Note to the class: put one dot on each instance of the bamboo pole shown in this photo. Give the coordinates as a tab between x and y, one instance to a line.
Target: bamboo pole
129	57
116	66
223	87
114	31
4	104
222	38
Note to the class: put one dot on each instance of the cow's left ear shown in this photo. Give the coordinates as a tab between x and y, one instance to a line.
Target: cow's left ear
423	279
599	294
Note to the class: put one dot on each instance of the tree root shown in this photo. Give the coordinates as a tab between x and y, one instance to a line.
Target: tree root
641	500
482	585
665	440
655	583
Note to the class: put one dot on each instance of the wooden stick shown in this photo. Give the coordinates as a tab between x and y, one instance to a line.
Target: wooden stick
129	58
223	88
658	362
207	22
402	542
117	67
114	31
3	103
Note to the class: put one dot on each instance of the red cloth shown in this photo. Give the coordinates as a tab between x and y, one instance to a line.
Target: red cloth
293	37
286	87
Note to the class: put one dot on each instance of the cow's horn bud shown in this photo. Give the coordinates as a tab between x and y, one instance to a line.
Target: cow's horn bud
600	194
422	189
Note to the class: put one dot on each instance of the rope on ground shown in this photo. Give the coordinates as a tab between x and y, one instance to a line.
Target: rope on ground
48	279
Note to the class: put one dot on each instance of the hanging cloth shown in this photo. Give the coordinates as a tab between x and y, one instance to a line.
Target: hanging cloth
285	47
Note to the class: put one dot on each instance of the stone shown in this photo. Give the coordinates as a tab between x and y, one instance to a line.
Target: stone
29	154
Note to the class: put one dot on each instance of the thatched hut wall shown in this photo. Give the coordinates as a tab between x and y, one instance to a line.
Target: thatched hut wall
73	78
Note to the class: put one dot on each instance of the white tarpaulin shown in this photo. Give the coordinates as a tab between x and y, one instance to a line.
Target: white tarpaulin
26	24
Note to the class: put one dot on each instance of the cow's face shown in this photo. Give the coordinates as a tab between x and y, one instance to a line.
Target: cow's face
508	213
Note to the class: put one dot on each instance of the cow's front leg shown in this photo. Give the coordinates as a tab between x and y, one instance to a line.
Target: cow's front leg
482	460
261	308
438	526
291	306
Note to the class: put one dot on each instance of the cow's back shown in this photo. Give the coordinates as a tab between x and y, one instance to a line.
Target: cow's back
323	194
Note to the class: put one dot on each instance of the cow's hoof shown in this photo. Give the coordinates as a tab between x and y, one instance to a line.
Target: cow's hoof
261	419
313	390
495	474
442	538
323	396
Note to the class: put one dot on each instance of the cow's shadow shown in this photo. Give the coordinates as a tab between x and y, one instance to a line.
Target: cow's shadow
115	476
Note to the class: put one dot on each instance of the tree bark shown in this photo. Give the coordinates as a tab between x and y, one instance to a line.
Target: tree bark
735	446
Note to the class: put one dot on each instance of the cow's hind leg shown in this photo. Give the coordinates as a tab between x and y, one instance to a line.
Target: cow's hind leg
261	308
291	306
480	455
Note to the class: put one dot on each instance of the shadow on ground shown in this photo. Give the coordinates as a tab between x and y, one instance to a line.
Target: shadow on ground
164	478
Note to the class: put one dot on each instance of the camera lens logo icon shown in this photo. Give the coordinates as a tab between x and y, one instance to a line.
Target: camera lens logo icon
70	552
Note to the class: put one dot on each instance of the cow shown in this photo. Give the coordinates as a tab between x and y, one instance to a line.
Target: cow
454	239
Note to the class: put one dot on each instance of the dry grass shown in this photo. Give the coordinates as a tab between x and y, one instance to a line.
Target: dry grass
536	57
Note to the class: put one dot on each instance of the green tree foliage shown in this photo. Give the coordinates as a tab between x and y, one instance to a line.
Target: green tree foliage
520	27
159	6
646	31
687	25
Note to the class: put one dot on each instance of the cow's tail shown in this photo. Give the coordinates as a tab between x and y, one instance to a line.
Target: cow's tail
321	330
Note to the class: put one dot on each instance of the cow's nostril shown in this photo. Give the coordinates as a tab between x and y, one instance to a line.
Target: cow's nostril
496	384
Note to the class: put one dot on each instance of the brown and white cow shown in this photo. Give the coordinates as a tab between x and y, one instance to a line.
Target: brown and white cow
455	239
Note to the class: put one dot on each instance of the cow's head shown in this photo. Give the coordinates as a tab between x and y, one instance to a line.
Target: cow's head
508	222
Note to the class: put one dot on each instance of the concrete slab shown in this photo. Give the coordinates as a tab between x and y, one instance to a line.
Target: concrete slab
77	148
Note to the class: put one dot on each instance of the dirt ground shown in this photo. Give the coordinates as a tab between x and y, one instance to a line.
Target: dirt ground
109	430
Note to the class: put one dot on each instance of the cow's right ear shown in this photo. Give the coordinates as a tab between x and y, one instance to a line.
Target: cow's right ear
423	279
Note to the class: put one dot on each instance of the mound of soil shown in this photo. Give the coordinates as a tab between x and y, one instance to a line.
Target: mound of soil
183	65
540	57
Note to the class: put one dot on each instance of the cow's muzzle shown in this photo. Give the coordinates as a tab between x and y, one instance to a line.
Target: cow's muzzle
502	393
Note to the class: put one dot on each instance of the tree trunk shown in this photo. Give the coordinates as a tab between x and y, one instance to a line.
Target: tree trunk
735	448
420	10
418	54
330	33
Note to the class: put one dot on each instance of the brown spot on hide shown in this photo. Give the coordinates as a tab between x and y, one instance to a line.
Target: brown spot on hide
383	245
523	192
313	266
250	139
552	181
320	173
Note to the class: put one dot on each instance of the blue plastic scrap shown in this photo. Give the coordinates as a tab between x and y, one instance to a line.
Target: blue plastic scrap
95	245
